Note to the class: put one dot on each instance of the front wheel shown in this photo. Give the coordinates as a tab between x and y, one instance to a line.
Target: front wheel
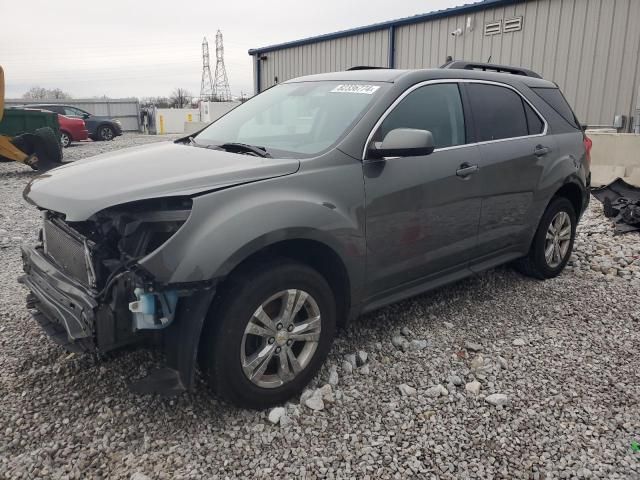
65	139
553	242
268	334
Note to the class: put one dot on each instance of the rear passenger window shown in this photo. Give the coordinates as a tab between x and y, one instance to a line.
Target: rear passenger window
498	112
436	108
536	126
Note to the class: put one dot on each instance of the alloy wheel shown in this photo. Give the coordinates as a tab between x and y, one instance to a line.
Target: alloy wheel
558	239
281	338
106	133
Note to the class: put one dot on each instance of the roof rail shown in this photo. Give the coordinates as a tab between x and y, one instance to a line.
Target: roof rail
366	67
490	67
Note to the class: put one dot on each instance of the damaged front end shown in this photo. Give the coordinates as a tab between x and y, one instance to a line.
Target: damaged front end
90	293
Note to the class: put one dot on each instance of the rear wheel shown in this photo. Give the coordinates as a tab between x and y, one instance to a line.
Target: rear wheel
268	334
553	242
105	132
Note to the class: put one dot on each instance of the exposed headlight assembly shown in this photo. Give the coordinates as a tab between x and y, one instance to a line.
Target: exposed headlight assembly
141	227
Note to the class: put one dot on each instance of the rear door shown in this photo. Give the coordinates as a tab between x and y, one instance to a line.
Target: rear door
513	151
90	122
421	215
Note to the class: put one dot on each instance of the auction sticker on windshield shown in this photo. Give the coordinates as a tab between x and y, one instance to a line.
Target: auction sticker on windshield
366	89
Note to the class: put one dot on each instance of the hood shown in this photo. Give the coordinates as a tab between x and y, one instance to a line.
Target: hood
83	188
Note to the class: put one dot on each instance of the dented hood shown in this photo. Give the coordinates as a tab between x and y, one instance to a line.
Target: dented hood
85	187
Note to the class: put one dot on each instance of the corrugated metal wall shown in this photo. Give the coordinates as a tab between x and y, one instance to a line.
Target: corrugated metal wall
591	48
126	110
327	56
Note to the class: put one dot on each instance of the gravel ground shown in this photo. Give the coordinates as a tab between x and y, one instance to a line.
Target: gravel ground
498	376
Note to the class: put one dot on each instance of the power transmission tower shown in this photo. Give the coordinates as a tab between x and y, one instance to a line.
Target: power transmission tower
221	90
206	86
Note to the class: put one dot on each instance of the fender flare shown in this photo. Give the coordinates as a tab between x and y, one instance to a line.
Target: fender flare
573	179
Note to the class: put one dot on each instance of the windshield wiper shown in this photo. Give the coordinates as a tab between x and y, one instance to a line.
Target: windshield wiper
245	148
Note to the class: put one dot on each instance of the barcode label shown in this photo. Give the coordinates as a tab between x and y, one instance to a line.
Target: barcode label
365	89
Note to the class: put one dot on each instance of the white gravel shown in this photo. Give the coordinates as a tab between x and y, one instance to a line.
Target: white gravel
562	403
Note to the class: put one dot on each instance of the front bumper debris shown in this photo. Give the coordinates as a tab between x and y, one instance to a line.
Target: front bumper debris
81	320
621	203
63	300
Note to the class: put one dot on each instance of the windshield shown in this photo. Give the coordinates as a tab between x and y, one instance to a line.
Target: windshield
294	118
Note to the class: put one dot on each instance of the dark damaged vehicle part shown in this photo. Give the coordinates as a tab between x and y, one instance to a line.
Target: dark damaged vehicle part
243	248
621	202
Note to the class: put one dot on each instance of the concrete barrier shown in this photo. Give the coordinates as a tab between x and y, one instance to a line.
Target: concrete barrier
179	120
193	127
172	120
210	111
614	155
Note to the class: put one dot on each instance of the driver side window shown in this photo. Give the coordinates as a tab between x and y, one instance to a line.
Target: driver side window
437	108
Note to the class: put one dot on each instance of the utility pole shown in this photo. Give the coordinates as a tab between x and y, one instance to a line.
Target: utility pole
221	90
206	86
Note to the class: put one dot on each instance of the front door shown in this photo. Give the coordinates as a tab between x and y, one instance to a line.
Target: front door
422	212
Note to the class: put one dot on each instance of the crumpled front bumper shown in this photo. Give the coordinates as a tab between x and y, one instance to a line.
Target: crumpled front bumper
73	316
61	299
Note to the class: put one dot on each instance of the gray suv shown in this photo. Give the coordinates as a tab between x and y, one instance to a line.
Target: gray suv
241	249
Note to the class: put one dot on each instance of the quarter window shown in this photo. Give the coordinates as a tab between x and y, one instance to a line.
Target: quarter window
436	108
554	97
498	112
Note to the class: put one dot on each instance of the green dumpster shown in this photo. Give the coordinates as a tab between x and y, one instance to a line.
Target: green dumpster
17	121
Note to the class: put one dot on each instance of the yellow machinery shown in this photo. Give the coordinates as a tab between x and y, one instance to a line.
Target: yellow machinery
29	136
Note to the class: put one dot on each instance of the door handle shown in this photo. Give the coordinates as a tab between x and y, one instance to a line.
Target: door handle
466	169
541	150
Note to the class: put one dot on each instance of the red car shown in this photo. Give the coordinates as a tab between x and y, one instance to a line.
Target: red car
72	130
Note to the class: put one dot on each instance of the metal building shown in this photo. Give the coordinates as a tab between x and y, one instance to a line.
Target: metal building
590	48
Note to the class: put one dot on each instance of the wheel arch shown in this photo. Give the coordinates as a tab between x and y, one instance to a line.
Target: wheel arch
315	253
572	192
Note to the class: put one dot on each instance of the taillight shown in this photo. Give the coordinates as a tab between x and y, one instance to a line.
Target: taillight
588	143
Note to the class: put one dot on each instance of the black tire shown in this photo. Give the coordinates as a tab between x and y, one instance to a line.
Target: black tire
50	143
44	143
535	264
106	133
235	304
65	139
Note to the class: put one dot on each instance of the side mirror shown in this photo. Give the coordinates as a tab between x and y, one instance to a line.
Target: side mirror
85	116
404	142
